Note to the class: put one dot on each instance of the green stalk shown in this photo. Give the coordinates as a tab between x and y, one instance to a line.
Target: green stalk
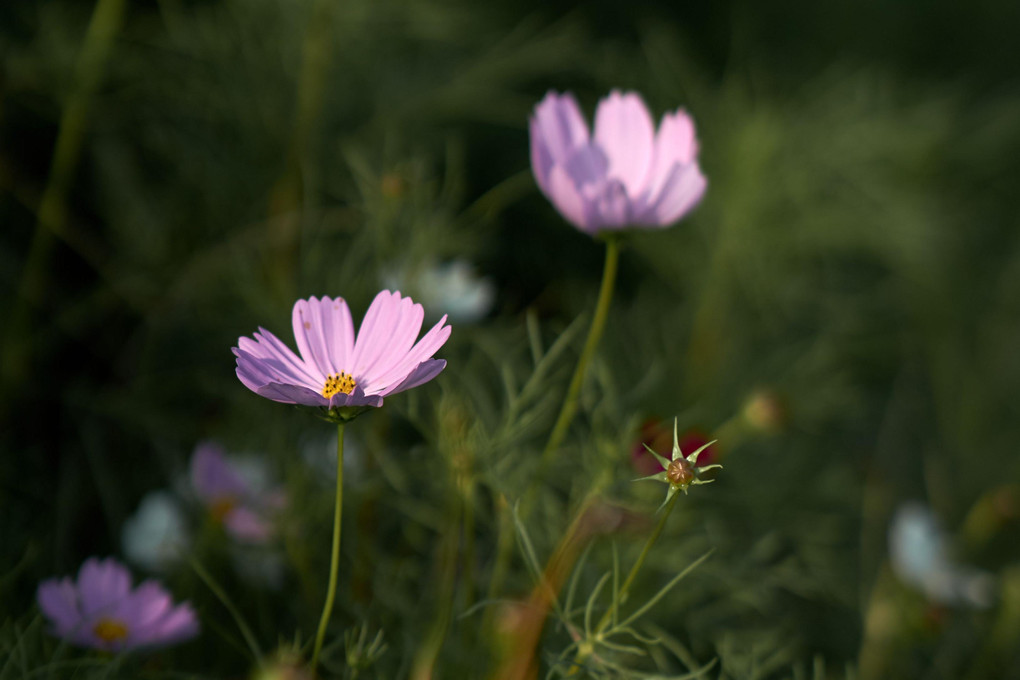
621	596
598	324
334	561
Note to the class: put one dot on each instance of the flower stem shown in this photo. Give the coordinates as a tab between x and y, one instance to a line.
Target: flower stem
598	324
621	597
335	556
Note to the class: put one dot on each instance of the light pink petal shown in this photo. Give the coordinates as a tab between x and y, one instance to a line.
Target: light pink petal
682	191
58	600
675	143
568	201
212	476
245	525
310	333
178	625
625	131
102	585
390	339
557	128
267	346
355	398
611	208
427	370
266	382
424	349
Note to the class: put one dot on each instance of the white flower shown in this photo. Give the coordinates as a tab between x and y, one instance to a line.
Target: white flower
919	552
452	288
156	535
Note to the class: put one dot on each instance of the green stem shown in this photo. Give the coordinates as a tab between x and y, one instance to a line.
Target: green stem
621	597
335	556
598	324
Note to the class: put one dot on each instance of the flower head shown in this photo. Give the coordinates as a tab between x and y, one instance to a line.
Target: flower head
627	174
102	611
656	435
679	471
452	288
237	496
156	535
920	556
337	370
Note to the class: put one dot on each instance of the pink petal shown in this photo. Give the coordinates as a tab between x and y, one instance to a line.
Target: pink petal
427	370
212	476
425	348
557	128
58	600
675	143
277	356
625	131
311	329
682	191
565	196
245	525
390	339
102	585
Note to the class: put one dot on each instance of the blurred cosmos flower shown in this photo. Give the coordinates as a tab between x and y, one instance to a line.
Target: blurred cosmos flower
766	411
236	494
451	288
919	552
102	611
656	435
156	535
627	174
335	369
680	471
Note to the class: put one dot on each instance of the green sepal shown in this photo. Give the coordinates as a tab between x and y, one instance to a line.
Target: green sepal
663	461
342	414
659	477
693	458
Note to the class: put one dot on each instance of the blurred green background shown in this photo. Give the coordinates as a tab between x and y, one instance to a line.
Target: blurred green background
175	173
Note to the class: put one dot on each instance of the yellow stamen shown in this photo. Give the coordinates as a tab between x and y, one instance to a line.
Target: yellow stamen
110	630
337	383
221	507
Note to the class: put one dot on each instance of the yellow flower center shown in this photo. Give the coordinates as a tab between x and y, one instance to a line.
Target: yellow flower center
337	383
110	630
221	507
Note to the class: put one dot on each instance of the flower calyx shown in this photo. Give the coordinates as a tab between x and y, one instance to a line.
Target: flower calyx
680	471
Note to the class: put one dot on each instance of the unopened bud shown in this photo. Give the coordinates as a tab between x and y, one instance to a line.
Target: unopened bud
680	472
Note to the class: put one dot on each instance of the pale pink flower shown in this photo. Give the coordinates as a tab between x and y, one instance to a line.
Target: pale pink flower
337	369
102	611
627	174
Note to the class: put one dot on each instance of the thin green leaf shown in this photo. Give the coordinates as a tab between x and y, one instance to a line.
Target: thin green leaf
669	586
591	603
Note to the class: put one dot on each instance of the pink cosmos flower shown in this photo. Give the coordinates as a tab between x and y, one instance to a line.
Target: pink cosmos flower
627	175
337	369
243	505
100	610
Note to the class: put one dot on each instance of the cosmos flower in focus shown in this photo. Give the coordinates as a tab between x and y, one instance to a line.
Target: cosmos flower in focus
100	610
628	174
337	370
236	495
155	536
920	556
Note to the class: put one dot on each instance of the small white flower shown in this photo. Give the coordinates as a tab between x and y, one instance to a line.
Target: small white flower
156	535
452	288
919	551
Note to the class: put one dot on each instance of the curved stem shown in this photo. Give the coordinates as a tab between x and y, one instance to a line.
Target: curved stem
598	324
335	557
